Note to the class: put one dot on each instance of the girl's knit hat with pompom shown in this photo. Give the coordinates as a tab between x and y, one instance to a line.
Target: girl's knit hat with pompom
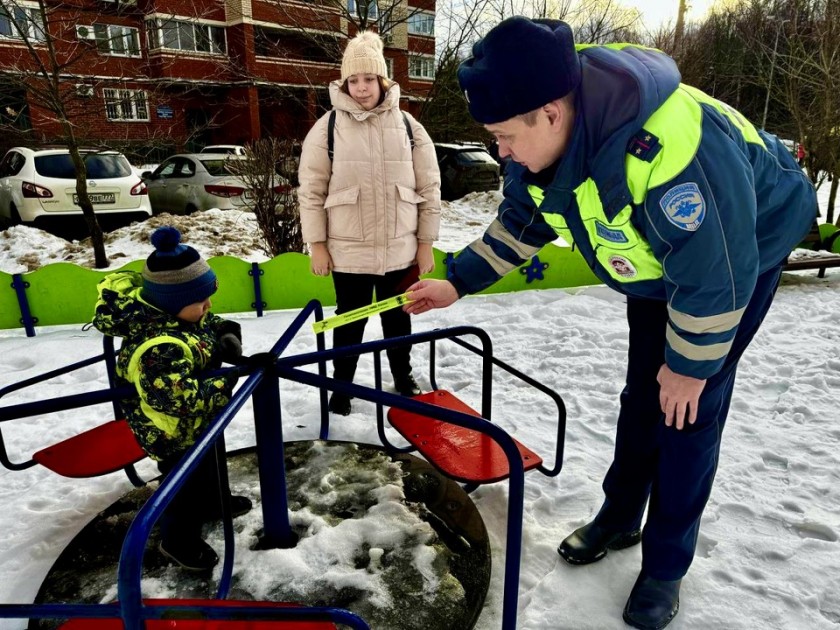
175	275
363	55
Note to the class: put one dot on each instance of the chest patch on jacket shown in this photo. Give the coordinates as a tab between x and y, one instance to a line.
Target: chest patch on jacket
608	234
622	266
684	206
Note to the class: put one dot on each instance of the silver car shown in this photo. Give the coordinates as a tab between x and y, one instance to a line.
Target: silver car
188	182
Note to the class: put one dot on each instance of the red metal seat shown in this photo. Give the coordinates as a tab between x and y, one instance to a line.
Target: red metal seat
204	624
98	451
463	454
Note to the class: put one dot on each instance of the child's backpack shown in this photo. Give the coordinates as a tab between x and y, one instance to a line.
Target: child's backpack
331	133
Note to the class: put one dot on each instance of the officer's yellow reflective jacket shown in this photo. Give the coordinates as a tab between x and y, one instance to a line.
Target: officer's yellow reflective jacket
667	193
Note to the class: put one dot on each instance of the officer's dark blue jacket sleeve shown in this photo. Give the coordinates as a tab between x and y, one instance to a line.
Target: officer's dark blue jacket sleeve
708	252
517	233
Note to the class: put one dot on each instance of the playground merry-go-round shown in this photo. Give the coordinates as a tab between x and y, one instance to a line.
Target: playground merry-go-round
390	534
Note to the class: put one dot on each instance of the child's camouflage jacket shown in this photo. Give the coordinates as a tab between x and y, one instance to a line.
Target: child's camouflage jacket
163	358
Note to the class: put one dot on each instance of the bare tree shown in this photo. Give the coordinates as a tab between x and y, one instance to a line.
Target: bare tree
268	165
40	71
71	73
808	68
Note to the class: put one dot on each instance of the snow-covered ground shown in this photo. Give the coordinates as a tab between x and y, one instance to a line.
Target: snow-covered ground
769	550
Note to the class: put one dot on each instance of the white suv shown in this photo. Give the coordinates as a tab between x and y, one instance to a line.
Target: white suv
37	185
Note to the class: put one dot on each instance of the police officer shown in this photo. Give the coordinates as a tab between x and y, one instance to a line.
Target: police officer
675	200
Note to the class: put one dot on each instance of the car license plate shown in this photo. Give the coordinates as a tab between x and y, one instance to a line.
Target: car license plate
98	198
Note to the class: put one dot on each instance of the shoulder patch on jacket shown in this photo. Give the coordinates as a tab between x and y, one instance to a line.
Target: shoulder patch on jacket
644	145
684	206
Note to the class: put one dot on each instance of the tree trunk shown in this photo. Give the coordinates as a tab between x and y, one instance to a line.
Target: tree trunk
97	239
832	197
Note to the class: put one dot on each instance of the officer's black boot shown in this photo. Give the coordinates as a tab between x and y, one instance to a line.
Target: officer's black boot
653	603
591	542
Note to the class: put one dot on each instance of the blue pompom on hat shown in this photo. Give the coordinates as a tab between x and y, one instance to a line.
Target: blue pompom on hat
519	66
175	275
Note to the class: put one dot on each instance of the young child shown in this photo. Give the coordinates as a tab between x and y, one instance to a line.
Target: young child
169	339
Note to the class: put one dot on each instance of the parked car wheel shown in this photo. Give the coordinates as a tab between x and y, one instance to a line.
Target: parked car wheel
15	215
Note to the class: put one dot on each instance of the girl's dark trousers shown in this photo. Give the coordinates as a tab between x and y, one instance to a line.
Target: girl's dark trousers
354	290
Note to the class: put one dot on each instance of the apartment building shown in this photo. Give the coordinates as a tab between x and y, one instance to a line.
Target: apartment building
184	73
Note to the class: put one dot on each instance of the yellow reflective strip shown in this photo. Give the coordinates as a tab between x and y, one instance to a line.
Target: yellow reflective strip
501	267
537	194
735	117
500	233
361	313
711	324
679	144
694	352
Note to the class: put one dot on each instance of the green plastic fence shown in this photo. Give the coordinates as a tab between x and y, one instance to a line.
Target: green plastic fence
63	293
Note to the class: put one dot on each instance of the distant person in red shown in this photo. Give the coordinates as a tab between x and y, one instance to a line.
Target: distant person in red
800	154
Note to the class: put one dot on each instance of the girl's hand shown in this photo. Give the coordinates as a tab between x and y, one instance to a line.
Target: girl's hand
425	258
321	264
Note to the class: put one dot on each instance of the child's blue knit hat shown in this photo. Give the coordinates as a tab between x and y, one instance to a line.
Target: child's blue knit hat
519	66
175	275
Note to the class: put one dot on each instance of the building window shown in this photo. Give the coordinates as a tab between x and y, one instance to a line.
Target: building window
189	36
126	104
355	6
421	67
21	22
288	45
111	39
421	24
14	109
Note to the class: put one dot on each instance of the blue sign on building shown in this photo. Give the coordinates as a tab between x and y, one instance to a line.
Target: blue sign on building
164	111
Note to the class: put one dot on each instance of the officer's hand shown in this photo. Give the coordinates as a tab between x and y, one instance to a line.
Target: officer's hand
429	294
679	396
230	348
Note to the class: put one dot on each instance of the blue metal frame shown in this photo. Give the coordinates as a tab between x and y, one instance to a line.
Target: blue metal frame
20	286
256	273
184	611
263	384
288	368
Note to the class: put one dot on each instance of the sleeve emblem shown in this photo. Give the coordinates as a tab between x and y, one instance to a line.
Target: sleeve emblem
684	206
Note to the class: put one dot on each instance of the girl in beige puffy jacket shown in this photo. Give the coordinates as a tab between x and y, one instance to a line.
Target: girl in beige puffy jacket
371	211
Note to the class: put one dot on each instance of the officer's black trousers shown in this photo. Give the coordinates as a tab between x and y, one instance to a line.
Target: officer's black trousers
672	469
